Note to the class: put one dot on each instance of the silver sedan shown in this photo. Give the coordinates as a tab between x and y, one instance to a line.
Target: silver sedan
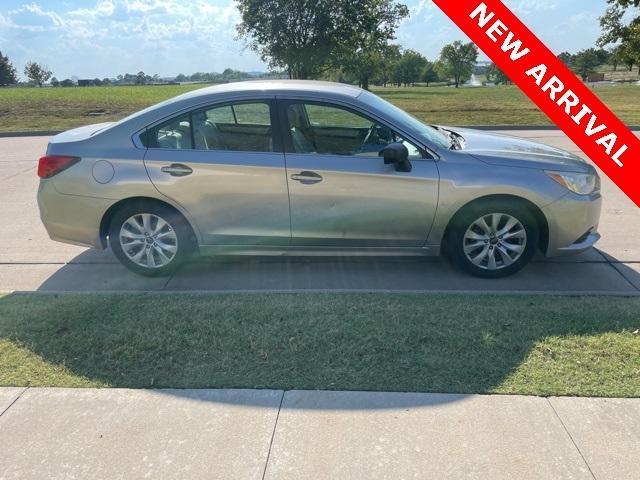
309	168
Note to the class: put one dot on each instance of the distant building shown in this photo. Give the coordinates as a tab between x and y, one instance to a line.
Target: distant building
595	77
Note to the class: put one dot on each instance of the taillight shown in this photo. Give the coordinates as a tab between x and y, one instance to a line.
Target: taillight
51	165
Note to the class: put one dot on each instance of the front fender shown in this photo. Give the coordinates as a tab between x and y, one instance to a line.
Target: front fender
464	179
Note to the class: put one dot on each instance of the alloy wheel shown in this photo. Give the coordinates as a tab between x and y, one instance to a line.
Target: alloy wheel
495	241
148	240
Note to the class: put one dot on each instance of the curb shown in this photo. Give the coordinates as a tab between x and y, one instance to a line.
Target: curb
41	133
480	293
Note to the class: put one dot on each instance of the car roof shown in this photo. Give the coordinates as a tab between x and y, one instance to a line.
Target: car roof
277	86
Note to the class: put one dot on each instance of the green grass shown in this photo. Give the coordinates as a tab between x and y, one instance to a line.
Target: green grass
503	105
389	342
32	109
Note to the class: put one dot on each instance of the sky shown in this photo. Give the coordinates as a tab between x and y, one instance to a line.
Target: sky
104	38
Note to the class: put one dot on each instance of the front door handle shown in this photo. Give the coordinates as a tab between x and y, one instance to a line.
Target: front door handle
177	170
307	178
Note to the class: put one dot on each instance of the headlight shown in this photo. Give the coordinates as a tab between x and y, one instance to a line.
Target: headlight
580	183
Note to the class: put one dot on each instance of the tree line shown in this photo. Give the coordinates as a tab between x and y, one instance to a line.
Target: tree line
38	75
400	67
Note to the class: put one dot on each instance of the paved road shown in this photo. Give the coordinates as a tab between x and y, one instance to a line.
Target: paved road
270	434
30	261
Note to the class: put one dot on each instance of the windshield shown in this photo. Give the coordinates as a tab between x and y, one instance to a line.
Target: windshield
409	122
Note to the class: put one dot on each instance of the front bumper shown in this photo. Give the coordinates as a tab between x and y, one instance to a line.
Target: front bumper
573	224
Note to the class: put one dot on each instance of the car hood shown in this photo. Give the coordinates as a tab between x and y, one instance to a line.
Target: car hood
503	150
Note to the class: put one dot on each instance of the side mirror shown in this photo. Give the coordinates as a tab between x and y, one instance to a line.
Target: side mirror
397	154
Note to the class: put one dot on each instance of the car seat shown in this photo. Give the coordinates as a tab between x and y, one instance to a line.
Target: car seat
300	134
206	134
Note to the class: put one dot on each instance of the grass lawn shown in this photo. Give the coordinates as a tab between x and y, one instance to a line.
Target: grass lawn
504	105
33	109
63	108
389	342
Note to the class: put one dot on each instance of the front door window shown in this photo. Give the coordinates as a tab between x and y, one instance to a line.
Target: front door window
333	130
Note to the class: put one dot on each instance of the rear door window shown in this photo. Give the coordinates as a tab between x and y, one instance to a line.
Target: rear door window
174	134
242	126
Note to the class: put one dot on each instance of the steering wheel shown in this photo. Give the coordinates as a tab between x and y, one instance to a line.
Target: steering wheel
378	135
370	135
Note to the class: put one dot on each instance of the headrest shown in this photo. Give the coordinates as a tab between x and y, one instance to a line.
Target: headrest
200	117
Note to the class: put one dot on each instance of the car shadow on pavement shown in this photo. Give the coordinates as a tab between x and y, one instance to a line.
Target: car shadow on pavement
592	272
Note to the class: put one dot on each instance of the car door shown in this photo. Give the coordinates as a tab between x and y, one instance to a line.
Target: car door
225	166
340	191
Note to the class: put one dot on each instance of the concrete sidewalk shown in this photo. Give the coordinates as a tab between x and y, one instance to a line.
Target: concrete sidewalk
254	434
30	261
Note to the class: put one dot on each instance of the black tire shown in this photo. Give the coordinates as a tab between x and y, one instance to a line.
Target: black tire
184	241
463	221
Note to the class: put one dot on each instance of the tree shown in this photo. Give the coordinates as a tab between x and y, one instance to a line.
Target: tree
297	35
410	67
140	78
625	3
391	56
586	62
602	55
368	26
566	58
66	83
37	73
429	73
457	61
615	58
55	82
629	54
362	66
622	28
497	76
307	38
617	20
7	71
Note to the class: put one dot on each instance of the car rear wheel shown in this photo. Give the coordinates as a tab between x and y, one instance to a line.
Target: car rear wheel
149	239
493	240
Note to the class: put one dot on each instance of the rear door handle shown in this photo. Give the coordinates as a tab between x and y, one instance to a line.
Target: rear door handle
177	170
307	178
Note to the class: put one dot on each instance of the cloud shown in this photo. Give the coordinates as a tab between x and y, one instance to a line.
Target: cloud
583	18
164	36
423	7
32	17
526	7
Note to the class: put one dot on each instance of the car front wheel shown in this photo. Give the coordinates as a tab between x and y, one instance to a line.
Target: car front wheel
149	239
493	240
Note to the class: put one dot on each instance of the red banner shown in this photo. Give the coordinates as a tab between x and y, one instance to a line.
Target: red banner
556	90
